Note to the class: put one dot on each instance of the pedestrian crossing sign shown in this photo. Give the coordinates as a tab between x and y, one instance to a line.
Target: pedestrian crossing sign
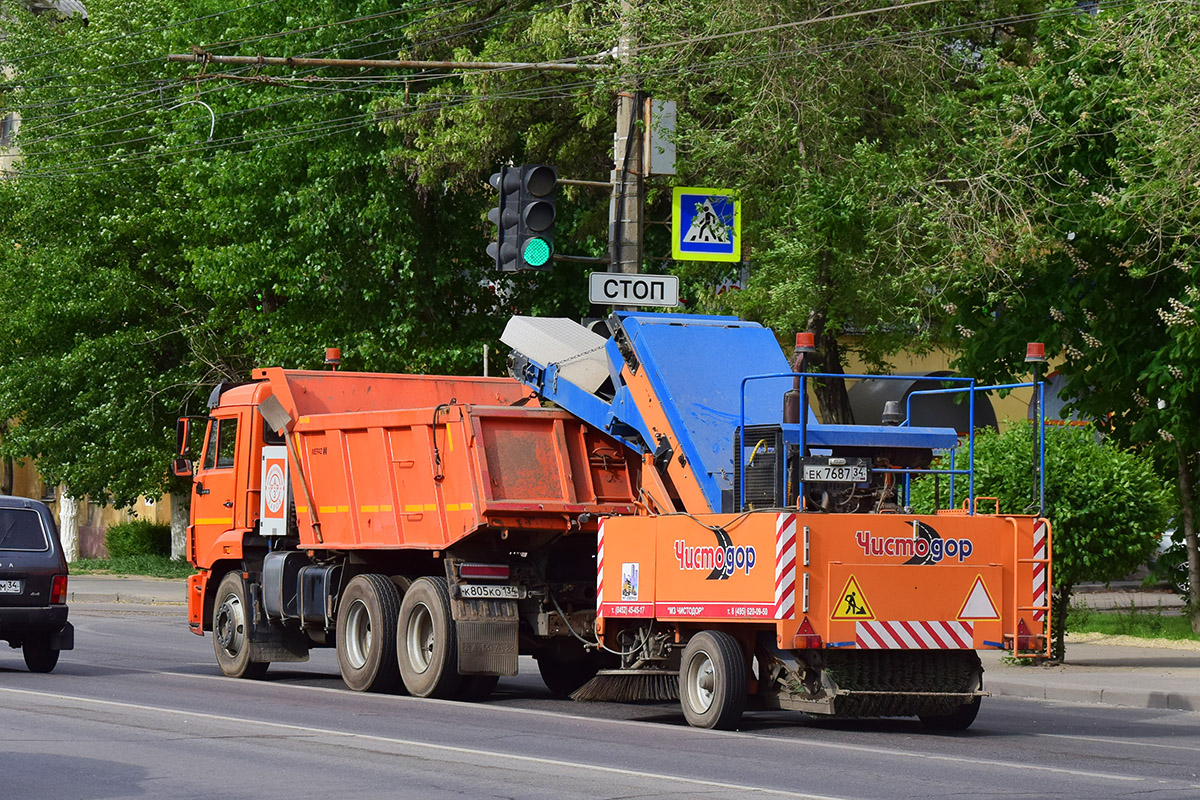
706	225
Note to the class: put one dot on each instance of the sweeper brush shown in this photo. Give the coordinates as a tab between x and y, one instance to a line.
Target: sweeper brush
630	686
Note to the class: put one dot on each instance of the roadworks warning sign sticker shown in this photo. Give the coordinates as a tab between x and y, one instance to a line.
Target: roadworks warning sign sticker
851	603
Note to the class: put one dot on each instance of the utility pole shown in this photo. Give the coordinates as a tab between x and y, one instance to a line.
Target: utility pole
625	209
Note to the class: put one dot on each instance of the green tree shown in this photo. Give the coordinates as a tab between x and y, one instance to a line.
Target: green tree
1089	147
1106	506
168	227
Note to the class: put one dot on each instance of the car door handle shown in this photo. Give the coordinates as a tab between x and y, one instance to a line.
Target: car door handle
228	504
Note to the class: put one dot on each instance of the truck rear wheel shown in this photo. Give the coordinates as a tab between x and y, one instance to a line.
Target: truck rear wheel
427	647
957	720
712	681
231	629
366	634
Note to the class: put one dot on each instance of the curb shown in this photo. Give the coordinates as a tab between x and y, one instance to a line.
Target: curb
117	597
1094	695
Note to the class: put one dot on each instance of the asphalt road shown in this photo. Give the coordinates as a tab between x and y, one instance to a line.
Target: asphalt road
139	710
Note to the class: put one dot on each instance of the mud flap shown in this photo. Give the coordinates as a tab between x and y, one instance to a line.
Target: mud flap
487	636
63	639
269	641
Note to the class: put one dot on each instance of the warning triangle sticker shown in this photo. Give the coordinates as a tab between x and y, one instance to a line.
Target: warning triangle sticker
978	604
851	603
707	226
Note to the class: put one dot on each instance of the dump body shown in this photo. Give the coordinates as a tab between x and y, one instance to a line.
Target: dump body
452	462
380	472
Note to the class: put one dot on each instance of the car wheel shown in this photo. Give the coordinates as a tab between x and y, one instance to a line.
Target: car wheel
231	630
366	634
427	647
39	655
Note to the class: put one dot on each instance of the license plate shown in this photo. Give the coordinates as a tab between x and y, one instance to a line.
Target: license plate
10	587
835	473
485	591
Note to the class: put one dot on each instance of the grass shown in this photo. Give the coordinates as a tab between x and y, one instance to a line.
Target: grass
1140	624
152	566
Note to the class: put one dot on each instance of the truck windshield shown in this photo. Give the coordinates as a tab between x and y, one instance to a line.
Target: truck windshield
21	529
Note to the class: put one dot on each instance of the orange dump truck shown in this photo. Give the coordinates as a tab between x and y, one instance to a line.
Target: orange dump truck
677	525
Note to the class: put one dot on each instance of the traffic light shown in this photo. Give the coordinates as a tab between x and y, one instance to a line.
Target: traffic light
505	216
535	237
524	217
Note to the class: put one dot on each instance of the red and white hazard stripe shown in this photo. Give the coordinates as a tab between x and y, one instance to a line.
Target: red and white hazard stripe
1039	569
918	635
785	566
600	567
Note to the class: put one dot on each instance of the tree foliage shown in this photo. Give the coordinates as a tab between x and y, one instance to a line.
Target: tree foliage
146	258
1090	144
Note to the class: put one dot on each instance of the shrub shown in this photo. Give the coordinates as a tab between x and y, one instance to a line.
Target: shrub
138	537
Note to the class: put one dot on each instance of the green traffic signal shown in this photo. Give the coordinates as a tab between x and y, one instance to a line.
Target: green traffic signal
537	252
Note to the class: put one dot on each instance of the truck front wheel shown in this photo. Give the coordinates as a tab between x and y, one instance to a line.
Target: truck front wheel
712	681
231	629
427	647
366	634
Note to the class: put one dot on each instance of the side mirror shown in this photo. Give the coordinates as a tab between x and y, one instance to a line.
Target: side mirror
183	427
182	467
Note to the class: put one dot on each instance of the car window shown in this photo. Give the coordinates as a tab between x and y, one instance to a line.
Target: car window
227	443
21	529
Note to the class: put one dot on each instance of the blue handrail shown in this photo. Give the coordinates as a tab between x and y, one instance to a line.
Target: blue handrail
971	388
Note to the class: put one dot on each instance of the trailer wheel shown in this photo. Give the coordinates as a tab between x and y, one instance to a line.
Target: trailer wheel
957	720
427	647
231	629
712	681
366	634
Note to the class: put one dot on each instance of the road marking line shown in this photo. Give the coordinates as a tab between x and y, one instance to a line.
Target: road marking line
305	729
1123	742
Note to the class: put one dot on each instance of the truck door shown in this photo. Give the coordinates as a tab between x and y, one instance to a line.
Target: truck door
215	497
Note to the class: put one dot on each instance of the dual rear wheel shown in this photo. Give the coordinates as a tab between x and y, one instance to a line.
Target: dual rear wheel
387	642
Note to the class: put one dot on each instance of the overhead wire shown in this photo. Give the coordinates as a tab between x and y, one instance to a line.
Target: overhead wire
150	106
338	125
450	31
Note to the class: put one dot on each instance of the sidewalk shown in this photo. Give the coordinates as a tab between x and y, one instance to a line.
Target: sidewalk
126	589
1116	671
